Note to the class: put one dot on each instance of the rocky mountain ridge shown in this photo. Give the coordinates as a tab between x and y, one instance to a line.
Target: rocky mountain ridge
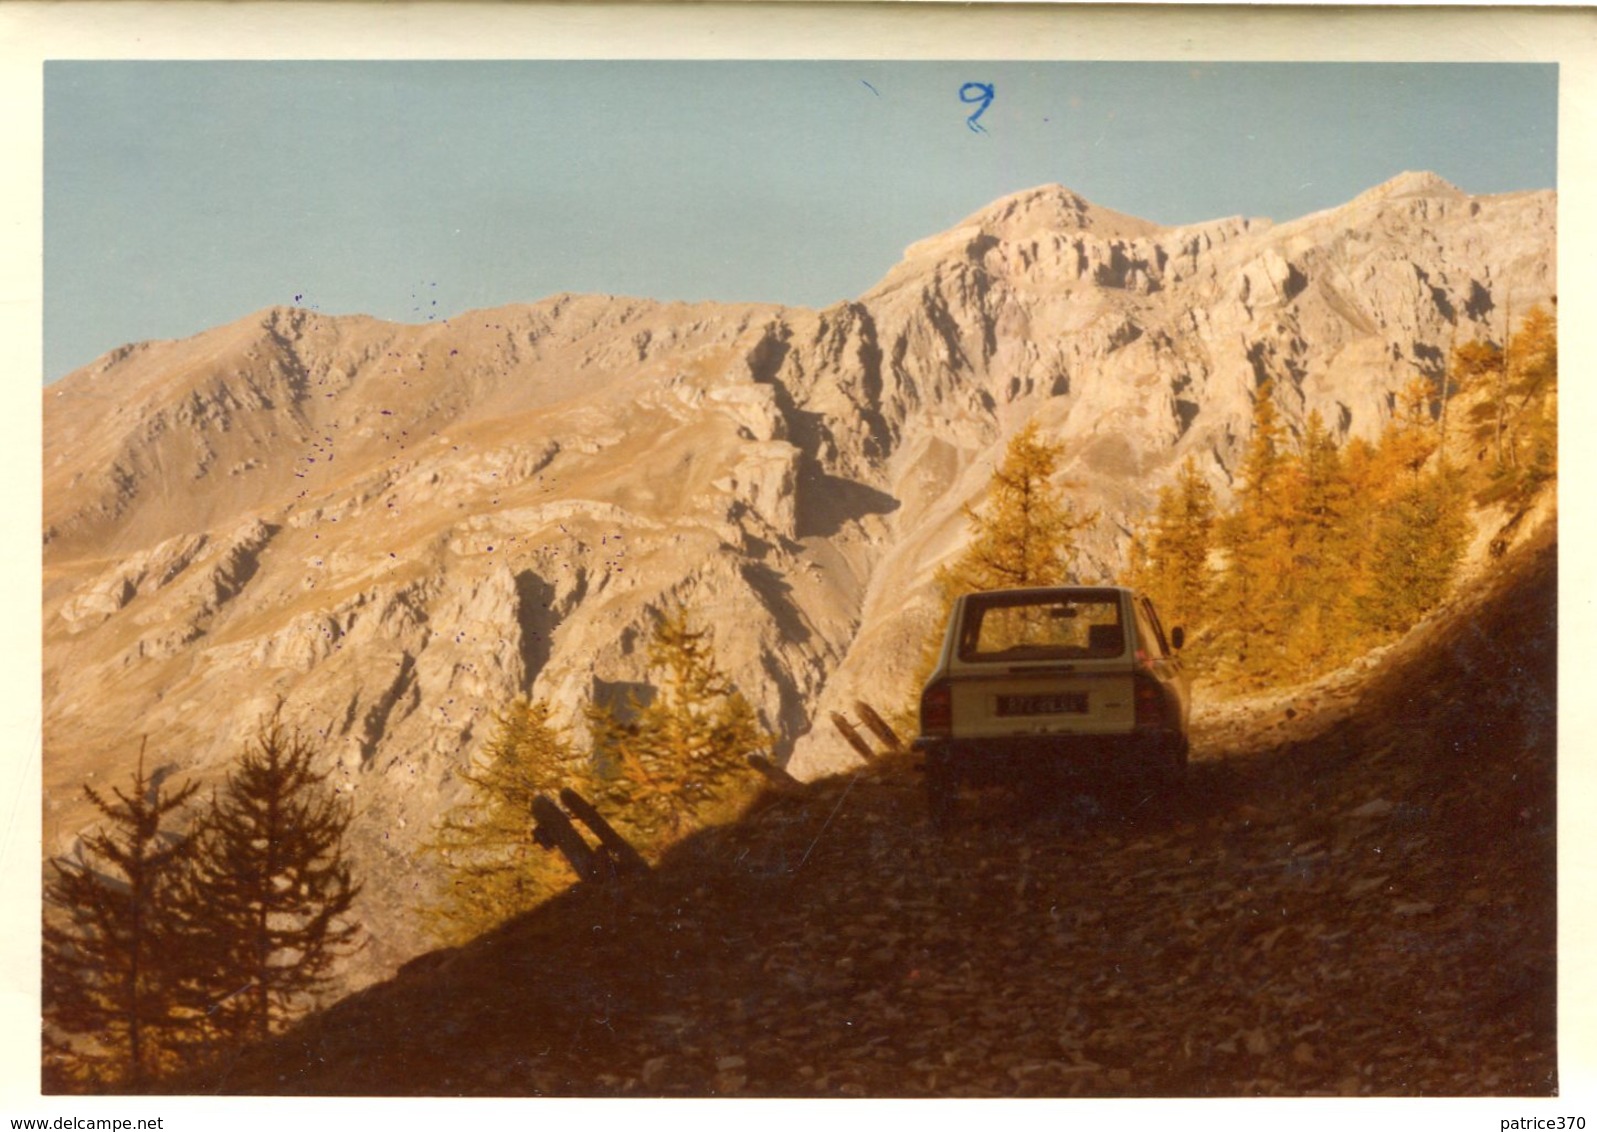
396	529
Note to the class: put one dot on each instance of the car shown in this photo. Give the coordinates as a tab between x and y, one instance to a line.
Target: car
1034	682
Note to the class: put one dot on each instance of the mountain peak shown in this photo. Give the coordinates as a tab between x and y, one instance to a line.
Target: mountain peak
1046	210
1053	208
1412	183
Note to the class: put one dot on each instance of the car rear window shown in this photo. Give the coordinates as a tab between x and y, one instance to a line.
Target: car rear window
1066	626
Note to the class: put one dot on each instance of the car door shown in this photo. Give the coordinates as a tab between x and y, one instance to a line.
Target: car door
1161	660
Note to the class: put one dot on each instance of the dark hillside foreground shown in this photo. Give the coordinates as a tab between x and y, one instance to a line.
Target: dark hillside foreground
1354	896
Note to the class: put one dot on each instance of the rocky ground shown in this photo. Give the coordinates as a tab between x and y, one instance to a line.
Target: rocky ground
1355	895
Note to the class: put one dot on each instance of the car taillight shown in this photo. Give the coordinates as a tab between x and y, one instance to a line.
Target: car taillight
1150	703
937	709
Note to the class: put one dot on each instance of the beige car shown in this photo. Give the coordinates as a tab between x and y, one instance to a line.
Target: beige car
1034	682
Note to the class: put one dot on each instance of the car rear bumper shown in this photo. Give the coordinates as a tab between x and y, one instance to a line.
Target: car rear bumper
1017	758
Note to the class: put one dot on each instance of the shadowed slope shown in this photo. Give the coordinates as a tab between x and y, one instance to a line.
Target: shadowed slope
1355	896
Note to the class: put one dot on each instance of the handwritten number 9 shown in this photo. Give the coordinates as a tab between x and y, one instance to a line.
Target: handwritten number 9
972	93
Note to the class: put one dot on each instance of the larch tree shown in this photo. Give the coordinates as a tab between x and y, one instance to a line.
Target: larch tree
1473	368
272	887
1411	437
677	761
1415	524
1318	589
1171	560
492	870
1258	537
114	963
1529	449
1419	541
1513	419
1023	534
1370	482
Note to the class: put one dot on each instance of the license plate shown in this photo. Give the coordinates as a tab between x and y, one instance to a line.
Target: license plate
1056	703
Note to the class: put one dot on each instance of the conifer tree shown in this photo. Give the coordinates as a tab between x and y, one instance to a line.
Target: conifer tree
1023	534
1419	541
1318	589
113	967
272	889
1514	417
1473	367
1258	537
680	761
1409	439
1527	449
1327	494
493	871
1171	563
1370	481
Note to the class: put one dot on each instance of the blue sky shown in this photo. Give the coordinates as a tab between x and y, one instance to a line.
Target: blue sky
182	195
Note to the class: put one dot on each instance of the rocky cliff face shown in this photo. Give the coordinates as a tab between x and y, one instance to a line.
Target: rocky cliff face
396	529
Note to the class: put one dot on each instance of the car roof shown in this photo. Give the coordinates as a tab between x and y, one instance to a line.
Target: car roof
1052	591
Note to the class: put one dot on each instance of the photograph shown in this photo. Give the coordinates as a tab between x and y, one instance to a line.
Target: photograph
829	570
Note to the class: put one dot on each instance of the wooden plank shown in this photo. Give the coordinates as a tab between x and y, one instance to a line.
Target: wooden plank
620	850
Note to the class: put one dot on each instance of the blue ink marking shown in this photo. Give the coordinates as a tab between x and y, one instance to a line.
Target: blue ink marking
872	89
977	92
